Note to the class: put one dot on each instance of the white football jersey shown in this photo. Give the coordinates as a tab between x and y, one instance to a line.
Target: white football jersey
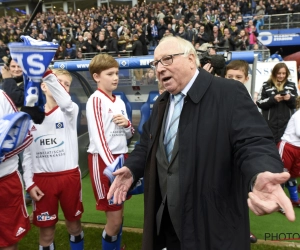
55	146
106	138
7	107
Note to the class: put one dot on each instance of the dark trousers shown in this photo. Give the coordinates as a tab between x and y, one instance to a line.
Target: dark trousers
167	232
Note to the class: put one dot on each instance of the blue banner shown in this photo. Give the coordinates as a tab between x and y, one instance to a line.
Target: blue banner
124	63
34	58
283	37
138	62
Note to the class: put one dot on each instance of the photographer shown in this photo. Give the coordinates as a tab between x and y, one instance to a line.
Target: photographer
277	100
213	63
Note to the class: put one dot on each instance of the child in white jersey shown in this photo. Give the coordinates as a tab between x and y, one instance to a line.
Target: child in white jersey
14	219
109	128
289	150
51	171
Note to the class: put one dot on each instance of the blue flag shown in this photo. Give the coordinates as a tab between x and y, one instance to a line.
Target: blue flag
33	57
13	131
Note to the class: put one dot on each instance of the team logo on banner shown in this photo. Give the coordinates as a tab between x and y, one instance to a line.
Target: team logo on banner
124	63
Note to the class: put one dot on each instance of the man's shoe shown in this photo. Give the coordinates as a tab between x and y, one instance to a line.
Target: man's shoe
253	239
296	203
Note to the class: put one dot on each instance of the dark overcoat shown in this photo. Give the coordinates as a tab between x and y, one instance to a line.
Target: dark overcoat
223	142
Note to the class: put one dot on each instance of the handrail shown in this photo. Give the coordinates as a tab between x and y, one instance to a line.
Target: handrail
126	53
278	21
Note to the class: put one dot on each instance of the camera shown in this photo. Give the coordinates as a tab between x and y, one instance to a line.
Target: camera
217	61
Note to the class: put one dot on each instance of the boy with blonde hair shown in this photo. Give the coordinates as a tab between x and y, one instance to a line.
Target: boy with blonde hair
51	171
109	128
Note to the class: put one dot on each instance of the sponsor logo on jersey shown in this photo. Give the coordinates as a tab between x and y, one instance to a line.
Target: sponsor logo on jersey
59	125
109	111
78	213
20	231
33	128
48	141
45	217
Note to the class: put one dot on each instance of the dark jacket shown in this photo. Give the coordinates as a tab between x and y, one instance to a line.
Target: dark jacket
241	44
14	88
137	48
142	39
161	30
224	142
204	39
112	45
277	114
227	42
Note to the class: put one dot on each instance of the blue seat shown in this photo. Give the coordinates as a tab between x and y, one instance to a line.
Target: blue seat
146	109
127	103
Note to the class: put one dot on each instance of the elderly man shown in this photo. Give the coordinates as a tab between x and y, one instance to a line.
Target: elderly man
203	149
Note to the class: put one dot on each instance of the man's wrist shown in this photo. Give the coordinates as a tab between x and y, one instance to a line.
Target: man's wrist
252	182
133	178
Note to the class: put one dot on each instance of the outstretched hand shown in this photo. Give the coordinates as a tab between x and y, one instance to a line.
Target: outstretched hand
120	186
268	196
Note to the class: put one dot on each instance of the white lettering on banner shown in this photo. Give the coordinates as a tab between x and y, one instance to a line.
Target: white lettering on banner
264	69
82	66
144	62
285	37
32	63
32	96
266	38
19	59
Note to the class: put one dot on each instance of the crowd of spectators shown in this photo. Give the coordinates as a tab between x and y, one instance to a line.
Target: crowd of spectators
120	29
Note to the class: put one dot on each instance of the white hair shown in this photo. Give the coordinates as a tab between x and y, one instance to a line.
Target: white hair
186	46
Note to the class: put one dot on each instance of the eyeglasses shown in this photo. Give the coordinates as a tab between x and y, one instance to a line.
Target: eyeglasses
165	61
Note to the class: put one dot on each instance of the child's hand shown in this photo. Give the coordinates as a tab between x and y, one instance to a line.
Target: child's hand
36	194
120	120
278	98
287	97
